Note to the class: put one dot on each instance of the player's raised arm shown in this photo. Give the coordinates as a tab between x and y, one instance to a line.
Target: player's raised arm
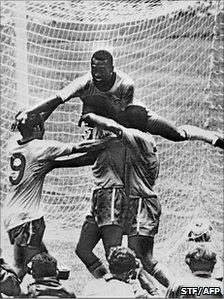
47	106
105	123
92	145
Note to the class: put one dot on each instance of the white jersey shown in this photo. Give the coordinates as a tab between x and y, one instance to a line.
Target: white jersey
28	165
100	288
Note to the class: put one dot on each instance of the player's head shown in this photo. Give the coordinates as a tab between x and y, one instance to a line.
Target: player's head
122	262
201	259
200	230
102	66
43	265
33	128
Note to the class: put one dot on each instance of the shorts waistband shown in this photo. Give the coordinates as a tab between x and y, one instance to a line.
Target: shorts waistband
110	188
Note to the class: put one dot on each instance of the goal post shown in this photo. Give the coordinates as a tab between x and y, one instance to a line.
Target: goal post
166	47
21	55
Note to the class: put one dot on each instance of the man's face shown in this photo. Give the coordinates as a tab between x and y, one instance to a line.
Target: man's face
101	71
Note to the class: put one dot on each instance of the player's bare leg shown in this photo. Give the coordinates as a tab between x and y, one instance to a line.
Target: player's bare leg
89	237
23	255
111	236
30	252
143	248
20	266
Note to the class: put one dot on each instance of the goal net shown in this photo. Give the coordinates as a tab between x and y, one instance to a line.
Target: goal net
172	50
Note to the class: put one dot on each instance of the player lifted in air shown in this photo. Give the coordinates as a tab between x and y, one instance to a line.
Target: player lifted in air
30	159
115	90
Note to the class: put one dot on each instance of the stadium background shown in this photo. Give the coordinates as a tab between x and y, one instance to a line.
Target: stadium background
173	51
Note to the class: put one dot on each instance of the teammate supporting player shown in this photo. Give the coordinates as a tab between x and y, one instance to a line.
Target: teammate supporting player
115	91
124	199
135	153
30	159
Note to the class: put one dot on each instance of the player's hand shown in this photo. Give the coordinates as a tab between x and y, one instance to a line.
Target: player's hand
219	142
88	119
138	268
22	116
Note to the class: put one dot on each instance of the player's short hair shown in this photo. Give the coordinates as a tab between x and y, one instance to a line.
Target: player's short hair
200	231
103	55
34	120
201	259
43	265
121	260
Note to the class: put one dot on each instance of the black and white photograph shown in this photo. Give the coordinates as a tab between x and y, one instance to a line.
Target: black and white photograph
112	139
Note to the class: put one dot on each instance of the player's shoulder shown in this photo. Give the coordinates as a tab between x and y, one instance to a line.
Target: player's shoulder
37	147
82	80
140	135
125	78
44	144
12	142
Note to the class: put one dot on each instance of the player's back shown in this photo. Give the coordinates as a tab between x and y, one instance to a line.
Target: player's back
108	170
28	164
142	164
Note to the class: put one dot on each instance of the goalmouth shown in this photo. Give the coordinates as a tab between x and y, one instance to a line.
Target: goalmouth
172	50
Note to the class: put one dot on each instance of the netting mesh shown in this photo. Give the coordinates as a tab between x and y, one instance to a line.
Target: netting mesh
172	49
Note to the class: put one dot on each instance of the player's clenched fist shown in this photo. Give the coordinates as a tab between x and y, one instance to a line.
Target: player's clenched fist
22	116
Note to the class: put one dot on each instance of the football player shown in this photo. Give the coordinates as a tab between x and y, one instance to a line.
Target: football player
30	159
123	199
115	92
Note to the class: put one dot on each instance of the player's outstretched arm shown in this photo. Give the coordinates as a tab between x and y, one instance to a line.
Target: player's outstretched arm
74	89
105	123
45	107
92	145
80	161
